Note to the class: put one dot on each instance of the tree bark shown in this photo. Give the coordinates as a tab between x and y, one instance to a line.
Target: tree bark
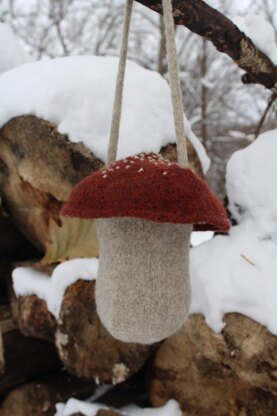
24	358
30	313
38	168
104	412
202	19
85	346
232	373
40	397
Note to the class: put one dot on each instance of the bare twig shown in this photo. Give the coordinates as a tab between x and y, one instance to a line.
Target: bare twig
270	103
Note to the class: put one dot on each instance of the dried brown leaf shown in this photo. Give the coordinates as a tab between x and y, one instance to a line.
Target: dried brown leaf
74	238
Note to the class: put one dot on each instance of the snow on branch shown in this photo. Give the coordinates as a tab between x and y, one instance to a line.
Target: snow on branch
202	19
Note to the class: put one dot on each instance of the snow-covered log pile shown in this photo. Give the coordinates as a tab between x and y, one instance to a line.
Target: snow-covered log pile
54	127
55	124
63	309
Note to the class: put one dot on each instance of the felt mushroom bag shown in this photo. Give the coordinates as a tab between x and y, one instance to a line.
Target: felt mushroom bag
145	209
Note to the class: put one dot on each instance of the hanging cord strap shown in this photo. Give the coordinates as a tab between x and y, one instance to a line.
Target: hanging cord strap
114	133
175	85
173	69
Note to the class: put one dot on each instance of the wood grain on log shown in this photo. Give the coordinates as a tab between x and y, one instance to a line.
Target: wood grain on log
29	312
85	346
38	168
32	317
202	19
232	373
24	358
39	398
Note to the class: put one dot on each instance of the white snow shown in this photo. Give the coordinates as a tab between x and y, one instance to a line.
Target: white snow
74	406
251	184
260	32
172	408
11	52
76	94
198	237
238	273
27	281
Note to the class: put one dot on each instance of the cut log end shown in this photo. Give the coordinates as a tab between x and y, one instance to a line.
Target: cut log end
39	166
232	372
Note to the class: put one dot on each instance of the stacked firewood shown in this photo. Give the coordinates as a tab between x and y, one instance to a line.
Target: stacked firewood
45	360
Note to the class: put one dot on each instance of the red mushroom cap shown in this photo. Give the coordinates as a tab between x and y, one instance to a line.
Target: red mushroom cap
150	187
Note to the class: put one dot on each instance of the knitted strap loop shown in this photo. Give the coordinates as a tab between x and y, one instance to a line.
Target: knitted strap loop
173	69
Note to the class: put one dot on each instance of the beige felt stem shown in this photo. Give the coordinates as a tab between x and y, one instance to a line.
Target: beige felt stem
114	133
176	93
142	286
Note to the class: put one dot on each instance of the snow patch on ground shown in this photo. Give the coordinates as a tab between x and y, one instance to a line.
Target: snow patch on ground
11	52
260	32
28	281
72	406
76	93
238	272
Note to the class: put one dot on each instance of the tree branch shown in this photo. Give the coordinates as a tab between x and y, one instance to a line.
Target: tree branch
209	23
